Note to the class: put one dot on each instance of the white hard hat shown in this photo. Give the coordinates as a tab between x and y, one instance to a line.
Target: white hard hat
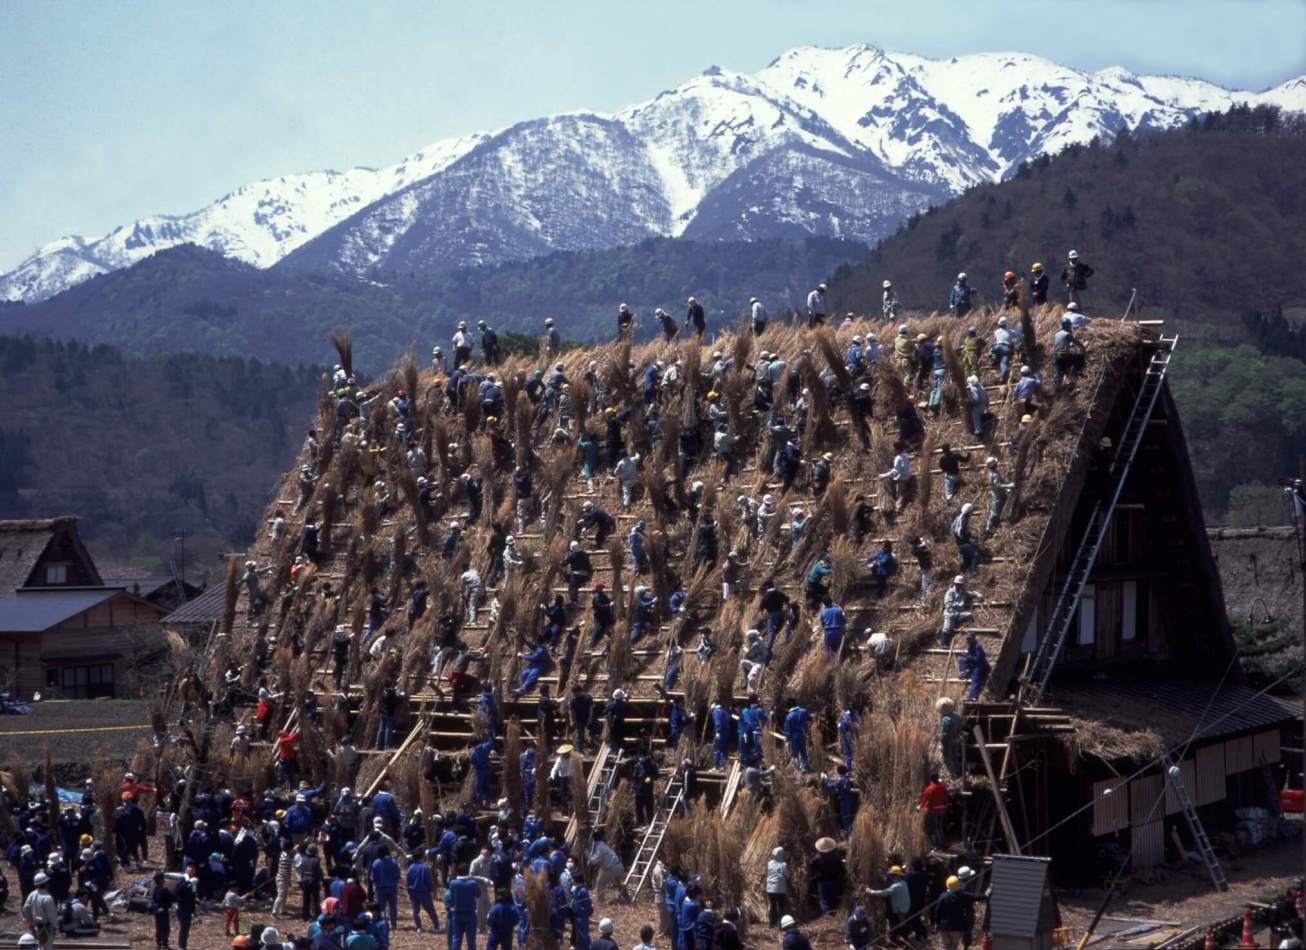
787	921
959	579
618	694
575	545
858	339
1074	254
961	276
548	321
888	284
768	499
1072	306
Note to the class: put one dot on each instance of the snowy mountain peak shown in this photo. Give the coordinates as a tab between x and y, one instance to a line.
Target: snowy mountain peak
842	141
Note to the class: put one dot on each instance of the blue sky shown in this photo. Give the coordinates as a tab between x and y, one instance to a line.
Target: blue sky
112	110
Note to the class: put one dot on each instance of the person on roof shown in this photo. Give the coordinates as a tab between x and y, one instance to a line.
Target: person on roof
1067	352
795	725
816	306
974	665
977	400
758	315
536	662
965	541
962	296
1075	277
625	322
1000	351
552	339
579	570
883	565
950	462
695	317
833	624
889	302
1011	288
594	516
462	345
999	489
950	735
1038	285
957	603
899	477
626	472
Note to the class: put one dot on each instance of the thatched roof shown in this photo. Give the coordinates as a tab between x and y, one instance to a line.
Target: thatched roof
22	542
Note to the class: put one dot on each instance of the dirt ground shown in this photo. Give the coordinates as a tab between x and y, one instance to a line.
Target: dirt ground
75	730
1185	897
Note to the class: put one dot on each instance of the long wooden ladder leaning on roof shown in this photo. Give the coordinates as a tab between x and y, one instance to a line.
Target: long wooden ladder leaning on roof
1050	644
672	797
598	787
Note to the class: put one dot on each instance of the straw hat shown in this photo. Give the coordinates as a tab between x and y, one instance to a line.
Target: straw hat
825	845
565	748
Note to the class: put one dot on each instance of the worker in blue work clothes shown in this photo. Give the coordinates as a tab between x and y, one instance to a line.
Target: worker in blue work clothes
582	911
420	884
974	665
753	720
796	722
678	720
671	672
536	662
464	895
840	788
385	883
501	922
848	722
480	763
671	884
645	618
721	722
688	911
833	623
489	709
527	764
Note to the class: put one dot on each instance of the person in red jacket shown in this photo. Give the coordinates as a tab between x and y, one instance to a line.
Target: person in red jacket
934	803
287	767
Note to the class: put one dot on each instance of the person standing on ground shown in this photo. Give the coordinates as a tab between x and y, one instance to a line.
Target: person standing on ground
161	901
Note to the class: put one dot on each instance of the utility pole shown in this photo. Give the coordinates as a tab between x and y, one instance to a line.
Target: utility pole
181	540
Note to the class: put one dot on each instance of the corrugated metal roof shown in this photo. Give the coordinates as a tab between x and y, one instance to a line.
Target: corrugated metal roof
31	611
1017	895
1177	709
206	608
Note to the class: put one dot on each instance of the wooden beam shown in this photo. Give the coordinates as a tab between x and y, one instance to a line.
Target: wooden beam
998	800
420	726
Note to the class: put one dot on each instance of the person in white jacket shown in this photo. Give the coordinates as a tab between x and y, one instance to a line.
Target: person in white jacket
777	887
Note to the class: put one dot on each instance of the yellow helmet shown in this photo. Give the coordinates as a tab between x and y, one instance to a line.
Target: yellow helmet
1037	268
713	395
953	882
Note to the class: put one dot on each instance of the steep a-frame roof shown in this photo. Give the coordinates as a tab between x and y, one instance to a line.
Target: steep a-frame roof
1116	387
24	540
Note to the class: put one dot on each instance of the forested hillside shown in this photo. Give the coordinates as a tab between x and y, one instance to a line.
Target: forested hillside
188	299
1207	223
144	449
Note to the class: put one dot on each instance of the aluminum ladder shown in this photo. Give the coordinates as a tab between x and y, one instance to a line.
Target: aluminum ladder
1213	867
598	788
672	798
1058	625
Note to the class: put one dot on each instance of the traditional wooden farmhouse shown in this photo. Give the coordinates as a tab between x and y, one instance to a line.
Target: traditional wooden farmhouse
1115	719
63	631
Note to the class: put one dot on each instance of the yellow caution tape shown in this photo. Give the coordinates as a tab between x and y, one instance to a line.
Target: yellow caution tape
55	732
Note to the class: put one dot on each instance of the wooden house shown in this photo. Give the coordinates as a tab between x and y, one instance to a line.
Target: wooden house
63	632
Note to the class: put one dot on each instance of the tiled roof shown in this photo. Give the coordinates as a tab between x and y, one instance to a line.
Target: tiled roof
31	611
206	608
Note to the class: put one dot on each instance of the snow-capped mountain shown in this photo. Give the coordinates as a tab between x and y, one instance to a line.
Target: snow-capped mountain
843	142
